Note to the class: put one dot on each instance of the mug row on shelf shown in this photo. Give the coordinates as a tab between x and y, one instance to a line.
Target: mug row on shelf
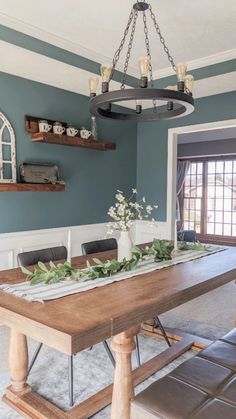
58	128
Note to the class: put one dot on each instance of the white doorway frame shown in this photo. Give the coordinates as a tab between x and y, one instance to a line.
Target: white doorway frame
172	164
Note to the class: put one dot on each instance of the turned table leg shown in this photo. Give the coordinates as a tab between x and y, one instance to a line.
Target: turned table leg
18	360
123	389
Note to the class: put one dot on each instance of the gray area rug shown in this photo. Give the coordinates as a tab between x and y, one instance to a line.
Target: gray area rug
210	316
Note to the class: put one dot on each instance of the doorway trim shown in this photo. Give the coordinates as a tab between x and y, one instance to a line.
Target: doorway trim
172	164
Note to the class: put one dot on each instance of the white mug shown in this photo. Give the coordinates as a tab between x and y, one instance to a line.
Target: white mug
85	134
58	129
44	126
71	131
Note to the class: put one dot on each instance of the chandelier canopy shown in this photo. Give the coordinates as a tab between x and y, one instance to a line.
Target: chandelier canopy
177	100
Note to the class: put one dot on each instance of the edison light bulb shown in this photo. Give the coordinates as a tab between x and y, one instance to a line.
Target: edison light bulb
144	67
181	70
93	85
106	75
189	81
138	106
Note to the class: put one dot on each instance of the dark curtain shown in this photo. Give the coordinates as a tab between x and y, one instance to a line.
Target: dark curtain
182	170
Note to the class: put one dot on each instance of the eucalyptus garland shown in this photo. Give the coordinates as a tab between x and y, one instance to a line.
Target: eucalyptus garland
159	250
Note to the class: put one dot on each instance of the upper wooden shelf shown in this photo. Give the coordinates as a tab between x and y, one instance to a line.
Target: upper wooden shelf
31	126
31	187
51	138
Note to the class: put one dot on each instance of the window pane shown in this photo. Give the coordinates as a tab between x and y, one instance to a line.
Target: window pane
218	216
210	228
227	204
227	217
199	168
228	192
211	167
227	229
218	229
193	190
219	204
210	216
198	204
219	167
193	168
228	166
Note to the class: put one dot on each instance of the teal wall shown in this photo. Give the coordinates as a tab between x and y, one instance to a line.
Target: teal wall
152	145
91	176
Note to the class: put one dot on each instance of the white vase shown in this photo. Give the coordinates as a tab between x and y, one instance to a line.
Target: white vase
124	246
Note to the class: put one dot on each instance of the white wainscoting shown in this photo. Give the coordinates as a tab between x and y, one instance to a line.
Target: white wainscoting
146	232
13	243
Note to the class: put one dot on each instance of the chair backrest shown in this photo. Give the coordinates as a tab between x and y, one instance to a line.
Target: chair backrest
98	246
42	255
187	236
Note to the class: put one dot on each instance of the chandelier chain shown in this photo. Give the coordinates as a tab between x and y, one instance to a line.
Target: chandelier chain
119	49
129	49
148	53
148	46
162	40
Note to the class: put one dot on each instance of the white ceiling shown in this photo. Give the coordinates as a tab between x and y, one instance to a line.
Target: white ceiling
192	29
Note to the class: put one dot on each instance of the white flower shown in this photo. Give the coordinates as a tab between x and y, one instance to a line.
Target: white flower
135	205
149	209
120	197
124	212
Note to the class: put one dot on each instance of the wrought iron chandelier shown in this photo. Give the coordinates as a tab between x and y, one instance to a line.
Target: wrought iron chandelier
177	100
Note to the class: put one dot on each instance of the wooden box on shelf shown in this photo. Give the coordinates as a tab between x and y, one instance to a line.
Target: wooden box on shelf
31	125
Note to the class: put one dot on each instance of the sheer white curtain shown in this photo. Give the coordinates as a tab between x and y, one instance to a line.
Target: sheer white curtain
182	170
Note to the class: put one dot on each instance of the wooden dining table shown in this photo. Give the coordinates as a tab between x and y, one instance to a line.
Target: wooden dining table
73	323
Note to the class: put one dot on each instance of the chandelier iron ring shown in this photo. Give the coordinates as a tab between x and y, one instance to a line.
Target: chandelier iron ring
101	105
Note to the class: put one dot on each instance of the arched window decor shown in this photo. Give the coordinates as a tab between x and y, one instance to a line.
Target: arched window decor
7	151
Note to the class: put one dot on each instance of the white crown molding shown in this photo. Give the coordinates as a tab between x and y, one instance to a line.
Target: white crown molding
60	42
78	49
199	63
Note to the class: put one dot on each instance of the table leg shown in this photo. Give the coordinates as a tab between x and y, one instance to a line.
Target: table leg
123	389
18	360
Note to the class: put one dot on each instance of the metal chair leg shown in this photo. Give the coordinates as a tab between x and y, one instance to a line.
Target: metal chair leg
71	380
109	353
35	356
137	351
159	324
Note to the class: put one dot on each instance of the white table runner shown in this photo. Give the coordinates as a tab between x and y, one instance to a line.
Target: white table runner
42	292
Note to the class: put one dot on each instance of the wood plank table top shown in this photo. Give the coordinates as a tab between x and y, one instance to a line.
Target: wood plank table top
73	323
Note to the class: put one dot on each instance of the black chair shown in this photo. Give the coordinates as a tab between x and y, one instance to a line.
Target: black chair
47	255
111	244
98	246
187	236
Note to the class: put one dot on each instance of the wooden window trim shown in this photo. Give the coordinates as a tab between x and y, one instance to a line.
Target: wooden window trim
203	236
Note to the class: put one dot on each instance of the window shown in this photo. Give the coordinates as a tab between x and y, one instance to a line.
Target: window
7	151
209	197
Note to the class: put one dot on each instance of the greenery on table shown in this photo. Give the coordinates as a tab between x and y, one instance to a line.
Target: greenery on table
159	250
191	246
50	275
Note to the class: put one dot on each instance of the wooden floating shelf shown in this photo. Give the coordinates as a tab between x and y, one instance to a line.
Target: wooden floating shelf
31	187
31	126
51	138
